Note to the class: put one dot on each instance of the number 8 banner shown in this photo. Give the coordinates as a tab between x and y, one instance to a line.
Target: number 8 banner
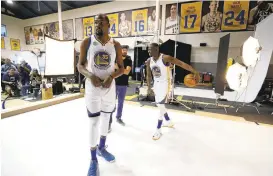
139	21
235	15
190	17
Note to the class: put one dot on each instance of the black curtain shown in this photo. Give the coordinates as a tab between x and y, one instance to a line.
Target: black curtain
140	56
183	53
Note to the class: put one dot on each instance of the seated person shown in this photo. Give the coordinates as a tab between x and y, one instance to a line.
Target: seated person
11	80
6	64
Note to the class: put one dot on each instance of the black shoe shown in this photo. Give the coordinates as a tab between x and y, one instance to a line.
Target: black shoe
120	122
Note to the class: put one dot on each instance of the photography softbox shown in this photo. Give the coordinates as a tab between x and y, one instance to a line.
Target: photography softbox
59	57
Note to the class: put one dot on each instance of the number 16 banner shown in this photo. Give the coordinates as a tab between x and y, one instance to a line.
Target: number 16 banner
139	21
190	17
235	15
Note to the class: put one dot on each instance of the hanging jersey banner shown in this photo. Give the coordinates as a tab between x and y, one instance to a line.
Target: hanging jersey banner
190	17
235	15
88	26
139	21
113	18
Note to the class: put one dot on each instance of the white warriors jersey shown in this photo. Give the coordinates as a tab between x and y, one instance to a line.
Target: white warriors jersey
171	26
101	58
161	72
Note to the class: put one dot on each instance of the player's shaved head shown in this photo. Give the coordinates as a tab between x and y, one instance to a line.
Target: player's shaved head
102	17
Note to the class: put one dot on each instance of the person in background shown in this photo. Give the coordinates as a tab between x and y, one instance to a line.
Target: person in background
6	67
10	81
142	73
121	85
6	64
35	79
24	70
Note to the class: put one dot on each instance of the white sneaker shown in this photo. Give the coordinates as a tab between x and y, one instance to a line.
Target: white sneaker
157	134
168	124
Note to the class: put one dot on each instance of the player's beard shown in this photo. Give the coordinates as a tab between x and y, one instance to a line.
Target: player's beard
99	32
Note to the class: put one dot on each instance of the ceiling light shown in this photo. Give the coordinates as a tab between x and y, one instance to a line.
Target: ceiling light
9	1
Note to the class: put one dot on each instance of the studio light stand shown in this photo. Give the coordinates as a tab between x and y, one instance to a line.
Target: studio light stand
173	100
216	104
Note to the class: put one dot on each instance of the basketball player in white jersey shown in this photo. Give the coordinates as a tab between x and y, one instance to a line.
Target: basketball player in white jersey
172	22
259	13
97	63
158	65
211	22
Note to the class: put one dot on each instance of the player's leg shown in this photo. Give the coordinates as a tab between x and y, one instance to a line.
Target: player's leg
121	96
93	105
108	106
164	113
158	133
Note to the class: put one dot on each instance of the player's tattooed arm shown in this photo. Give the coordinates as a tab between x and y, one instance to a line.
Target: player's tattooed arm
179	63
83	62
119	61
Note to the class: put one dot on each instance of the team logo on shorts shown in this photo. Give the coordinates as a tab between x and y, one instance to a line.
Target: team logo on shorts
156	71
102	60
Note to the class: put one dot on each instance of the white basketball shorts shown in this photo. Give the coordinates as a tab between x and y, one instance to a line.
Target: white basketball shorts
99	99
161	90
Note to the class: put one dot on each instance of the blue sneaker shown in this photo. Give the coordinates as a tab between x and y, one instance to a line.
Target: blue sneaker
93	168
106	155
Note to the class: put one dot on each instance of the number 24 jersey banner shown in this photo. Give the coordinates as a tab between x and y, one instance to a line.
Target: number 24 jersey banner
235	15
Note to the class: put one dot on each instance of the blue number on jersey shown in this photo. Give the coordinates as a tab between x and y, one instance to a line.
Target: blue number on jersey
194	16
139	25
240	17
88	31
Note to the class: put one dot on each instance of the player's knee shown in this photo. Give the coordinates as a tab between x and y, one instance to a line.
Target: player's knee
97	114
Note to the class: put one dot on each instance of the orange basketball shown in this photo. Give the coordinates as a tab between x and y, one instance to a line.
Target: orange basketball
189	80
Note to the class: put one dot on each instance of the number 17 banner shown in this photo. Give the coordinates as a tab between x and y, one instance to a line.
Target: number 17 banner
190	20
235	15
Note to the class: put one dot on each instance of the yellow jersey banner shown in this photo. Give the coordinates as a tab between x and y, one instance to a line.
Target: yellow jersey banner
139	21
88	26
190	20
2	43
15	44
113	18
235	15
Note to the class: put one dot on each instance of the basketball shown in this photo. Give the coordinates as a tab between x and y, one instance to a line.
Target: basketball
190	81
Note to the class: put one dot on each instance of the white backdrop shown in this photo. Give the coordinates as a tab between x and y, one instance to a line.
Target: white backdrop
59	57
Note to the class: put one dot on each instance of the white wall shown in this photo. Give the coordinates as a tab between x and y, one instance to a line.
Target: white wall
15	31
207	54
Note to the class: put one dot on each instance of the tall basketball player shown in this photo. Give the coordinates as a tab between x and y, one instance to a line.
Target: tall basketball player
211	22
158	64
97	63
259	13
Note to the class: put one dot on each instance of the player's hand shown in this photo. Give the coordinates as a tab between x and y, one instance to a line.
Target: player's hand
107	82
95	81
196	77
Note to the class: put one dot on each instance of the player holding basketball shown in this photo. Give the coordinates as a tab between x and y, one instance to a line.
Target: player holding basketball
97	63
158	64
